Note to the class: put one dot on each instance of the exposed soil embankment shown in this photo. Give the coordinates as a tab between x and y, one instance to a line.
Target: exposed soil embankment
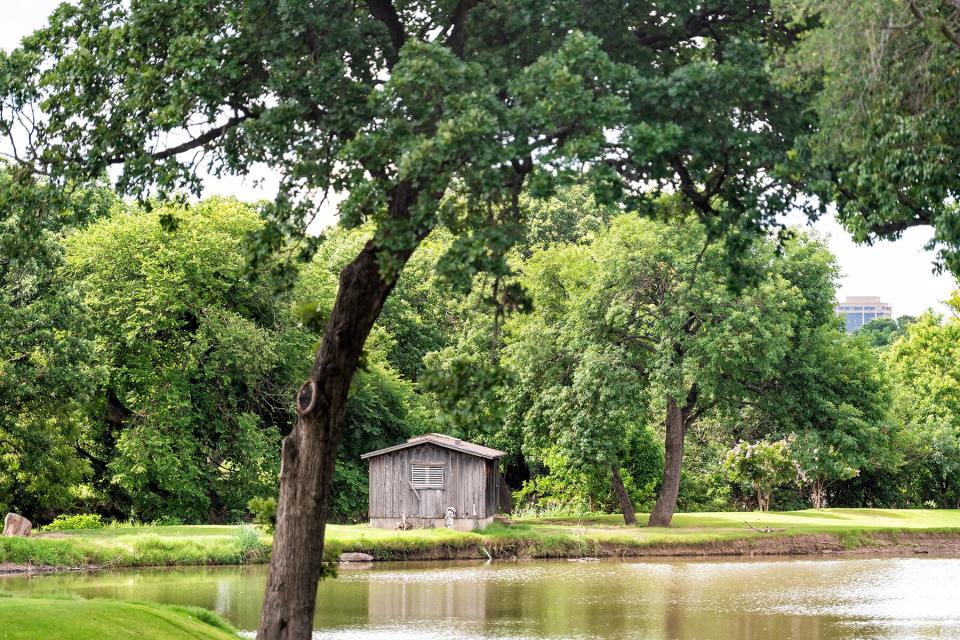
898	543
803	544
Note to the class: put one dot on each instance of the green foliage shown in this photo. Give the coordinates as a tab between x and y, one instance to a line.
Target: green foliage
264	512
149	373
883	332
639	314
571	215
704	485
475	131
761	466
47	368
79	521
822	461
887	138
382	407
924	367
834	395
199	361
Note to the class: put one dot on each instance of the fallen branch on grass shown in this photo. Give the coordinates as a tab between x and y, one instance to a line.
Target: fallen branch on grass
763	529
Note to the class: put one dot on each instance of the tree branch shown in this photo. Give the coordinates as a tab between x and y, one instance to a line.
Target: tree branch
199	141
689	189
947	32
458	37
386	13
695	25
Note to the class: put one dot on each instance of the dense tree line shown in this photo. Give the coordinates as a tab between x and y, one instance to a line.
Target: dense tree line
626	380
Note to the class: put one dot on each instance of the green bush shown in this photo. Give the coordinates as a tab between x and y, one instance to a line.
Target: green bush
762	467
264	512
80	521
167	521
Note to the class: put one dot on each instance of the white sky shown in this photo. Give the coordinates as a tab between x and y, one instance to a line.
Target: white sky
900	272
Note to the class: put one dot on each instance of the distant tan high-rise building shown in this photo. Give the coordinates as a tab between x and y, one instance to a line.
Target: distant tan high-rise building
859	310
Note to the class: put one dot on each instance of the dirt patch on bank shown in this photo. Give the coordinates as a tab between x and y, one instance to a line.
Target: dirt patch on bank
919	542
904	543
15	569
773	545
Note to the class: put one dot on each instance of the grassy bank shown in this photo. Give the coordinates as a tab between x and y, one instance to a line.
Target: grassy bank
604	535
691	534
138	547
67	619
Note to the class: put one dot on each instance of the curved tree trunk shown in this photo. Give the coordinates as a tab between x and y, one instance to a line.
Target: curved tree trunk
679	418
663	510
626	505
310	450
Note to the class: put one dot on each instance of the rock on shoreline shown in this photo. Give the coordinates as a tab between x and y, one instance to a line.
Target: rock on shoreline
16	525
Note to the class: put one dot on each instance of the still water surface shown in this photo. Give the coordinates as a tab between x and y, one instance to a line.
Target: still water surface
813	599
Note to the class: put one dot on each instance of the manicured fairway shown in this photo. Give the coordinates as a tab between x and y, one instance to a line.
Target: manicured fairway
36	618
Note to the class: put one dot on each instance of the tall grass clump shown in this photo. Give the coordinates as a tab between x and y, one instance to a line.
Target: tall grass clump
203	615
153	550
250	547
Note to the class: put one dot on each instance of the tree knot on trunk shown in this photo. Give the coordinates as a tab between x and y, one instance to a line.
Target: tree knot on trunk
307	397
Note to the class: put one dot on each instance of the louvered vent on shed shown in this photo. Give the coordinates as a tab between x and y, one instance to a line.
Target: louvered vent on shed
427	476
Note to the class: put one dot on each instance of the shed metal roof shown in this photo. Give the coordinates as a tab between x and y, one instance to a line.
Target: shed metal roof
442	441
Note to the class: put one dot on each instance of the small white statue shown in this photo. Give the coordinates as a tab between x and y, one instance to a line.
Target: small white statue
450	517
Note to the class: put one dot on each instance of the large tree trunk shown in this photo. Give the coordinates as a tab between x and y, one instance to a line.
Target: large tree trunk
679	418
818	493
310	450
663	510
626	505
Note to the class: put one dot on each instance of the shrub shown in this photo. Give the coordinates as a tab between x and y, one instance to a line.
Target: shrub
264	512
167	521
80	521
762	467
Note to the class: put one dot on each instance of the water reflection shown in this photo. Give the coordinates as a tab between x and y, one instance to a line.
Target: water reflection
887	598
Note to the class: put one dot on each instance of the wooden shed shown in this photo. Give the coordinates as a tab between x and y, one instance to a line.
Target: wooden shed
430	477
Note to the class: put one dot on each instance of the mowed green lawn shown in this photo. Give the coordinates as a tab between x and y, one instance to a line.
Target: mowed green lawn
702	527
195	545
56	619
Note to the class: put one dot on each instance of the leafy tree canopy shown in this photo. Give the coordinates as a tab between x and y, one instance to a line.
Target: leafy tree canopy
198	360
883	332
888	140
48	372
923	365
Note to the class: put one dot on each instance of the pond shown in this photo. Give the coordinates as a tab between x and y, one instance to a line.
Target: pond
663	599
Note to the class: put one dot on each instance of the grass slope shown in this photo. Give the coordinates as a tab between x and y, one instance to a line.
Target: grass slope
544	537
55	619
139	546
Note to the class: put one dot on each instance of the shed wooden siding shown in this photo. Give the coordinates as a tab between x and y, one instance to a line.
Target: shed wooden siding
469	483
